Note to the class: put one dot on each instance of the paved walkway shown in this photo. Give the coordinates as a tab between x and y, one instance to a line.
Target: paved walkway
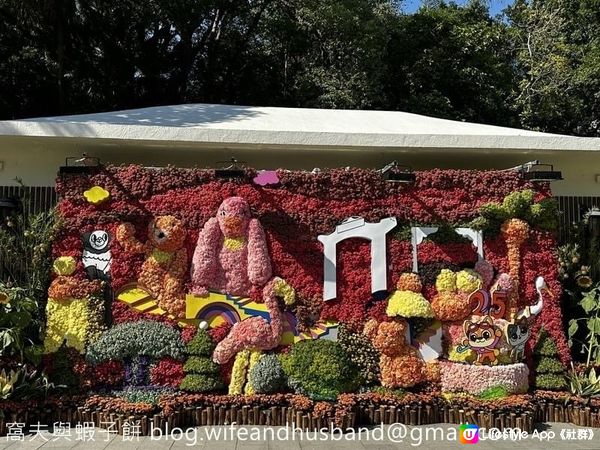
438	437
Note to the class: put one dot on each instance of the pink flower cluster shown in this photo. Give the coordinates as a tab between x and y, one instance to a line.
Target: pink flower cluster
457	377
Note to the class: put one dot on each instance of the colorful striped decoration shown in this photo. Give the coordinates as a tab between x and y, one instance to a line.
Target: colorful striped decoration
219	308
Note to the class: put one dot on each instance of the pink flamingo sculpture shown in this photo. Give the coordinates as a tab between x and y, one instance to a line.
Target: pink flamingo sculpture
248	338
255	333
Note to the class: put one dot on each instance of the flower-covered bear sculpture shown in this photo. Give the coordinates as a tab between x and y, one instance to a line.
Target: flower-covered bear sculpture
231	254
163	271
399	363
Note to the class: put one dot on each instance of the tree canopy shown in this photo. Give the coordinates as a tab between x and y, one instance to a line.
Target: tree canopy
537	67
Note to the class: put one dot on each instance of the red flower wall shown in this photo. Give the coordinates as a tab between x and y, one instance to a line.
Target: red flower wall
305	205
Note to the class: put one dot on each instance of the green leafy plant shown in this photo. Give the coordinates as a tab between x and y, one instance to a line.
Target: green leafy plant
202	374
200	364
132	339
398	392
320	369
8	381
18	325
146	394
494	393
267	375
61	372
22	383
25	244
585	383
590	344
520	205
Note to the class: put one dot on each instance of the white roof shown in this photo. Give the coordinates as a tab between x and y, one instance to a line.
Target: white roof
297	127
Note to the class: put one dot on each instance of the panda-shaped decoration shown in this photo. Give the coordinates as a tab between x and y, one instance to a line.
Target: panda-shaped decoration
96	255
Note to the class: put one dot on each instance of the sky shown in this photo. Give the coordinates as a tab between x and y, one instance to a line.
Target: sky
496	6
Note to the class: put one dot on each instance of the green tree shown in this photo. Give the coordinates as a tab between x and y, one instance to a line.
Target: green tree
549	371
557	64
202	374
65	56
452	62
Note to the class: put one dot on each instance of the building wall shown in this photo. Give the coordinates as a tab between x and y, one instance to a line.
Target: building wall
36	161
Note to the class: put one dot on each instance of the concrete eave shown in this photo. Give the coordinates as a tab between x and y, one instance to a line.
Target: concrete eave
200	126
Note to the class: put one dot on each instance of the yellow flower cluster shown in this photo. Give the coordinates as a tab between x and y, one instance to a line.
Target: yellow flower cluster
96	195
238	372
234	244
64	265
67	319
96	326
408	304
452	300
284	290
244	361
468	281
446	281
467	356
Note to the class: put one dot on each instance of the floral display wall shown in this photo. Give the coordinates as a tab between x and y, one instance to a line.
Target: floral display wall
142	246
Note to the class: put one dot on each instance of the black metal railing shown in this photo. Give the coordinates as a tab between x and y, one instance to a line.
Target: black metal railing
39	198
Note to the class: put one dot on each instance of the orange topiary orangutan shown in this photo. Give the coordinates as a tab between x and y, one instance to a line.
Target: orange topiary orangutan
163	271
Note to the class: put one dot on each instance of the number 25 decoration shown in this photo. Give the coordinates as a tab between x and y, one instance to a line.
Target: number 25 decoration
493	305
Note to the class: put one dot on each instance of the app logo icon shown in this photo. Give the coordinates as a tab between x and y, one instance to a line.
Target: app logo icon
469	433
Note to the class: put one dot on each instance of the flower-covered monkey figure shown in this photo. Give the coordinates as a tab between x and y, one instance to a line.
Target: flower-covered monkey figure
163	271
231	254
482	337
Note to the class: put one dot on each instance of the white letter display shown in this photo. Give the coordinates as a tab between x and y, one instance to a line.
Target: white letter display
420	233
476	238
417	236
356	227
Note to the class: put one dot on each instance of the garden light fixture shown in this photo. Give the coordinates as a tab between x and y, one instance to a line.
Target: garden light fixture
535	171
235	170
395	173
79	165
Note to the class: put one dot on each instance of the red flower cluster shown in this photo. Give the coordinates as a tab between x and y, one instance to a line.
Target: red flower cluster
168	372
123	313
218	333
109	373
